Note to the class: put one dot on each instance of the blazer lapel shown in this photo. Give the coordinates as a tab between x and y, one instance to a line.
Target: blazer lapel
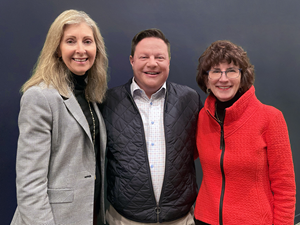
102	127
76	111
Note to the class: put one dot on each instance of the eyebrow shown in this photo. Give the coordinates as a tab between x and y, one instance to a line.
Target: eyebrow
72	36
226	69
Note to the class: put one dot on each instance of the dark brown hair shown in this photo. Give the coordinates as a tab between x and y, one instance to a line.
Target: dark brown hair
219	52
153	32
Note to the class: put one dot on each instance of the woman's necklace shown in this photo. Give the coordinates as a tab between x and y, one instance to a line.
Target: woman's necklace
94	123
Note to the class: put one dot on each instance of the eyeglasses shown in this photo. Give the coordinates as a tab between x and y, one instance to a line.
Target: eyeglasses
230	73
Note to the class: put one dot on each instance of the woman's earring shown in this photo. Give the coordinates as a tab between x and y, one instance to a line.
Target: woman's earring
207	91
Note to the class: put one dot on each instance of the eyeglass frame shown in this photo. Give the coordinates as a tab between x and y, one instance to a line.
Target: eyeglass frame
226	71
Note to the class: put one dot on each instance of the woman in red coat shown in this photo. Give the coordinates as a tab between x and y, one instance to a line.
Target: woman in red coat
243	145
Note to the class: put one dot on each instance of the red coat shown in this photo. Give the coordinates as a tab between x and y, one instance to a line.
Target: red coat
259	174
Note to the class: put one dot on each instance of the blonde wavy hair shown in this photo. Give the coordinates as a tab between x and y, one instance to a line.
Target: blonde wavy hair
51	70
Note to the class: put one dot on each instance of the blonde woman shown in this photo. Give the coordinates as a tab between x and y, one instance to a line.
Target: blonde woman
60	155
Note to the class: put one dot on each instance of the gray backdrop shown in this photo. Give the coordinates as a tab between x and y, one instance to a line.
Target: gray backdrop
267	29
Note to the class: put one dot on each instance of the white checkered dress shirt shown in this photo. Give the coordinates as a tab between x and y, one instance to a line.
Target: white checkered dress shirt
151	111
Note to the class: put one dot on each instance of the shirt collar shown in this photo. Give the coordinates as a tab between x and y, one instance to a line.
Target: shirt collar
134	88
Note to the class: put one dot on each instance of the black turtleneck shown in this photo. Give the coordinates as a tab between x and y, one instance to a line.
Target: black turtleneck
79	92
221	106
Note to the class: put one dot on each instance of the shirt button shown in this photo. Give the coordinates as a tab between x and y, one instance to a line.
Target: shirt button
151	166
152	144
152	122
150	103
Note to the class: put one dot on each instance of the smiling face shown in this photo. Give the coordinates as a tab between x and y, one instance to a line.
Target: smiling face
150	64
223	88
78	48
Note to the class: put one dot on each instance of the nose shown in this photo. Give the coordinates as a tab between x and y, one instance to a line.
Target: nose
151	62
223	76
80	48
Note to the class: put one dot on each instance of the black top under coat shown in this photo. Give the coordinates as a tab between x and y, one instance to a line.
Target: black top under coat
79	92
221	106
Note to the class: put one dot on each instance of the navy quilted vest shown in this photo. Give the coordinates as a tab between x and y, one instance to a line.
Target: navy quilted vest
129	187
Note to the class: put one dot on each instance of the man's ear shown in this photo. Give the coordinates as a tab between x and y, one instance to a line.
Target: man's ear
131	60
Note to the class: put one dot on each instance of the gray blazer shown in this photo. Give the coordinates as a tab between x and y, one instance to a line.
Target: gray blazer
56	161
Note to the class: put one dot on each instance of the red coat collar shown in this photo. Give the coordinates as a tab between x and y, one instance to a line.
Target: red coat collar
237	114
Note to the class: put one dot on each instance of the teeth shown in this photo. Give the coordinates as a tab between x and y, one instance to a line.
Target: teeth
80	60
152	73
223	87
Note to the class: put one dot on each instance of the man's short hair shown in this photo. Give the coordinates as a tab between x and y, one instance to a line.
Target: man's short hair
153	32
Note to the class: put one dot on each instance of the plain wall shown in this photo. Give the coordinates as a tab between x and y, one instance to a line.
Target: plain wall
268	30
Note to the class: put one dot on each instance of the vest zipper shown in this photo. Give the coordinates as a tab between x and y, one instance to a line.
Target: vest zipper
157	211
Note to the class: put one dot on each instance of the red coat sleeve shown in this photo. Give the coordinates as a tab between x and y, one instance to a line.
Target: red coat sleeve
281	169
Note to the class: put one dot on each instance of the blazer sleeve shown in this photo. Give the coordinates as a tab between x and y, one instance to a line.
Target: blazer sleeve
281	170
33	154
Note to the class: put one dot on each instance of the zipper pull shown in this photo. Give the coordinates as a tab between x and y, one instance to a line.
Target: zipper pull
157	211
222	138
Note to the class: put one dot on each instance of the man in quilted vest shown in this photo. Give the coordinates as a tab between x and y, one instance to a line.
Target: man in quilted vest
151	125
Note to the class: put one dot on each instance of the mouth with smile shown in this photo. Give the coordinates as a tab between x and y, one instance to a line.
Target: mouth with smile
151	73
80	59
224	87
